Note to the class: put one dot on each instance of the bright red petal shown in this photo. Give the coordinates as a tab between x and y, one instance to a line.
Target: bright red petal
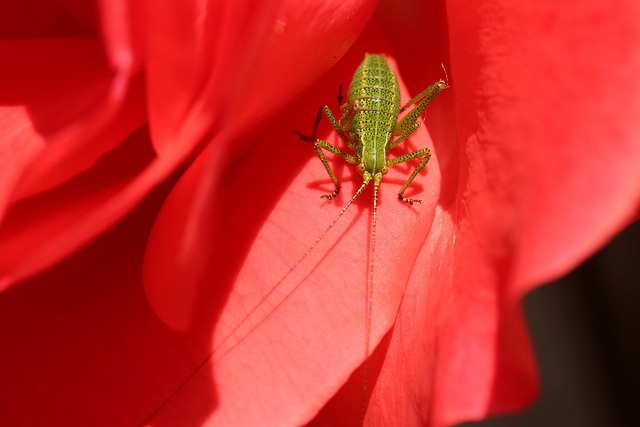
545	171
74	165
58	101
226	68
535	92
287	359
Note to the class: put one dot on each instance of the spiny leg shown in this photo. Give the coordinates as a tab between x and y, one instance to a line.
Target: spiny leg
404	136
408	124
429	93
318	146
426	155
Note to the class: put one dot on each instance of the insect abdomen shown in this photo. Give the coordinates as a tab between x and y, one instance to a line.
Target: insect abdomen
374	89
372	114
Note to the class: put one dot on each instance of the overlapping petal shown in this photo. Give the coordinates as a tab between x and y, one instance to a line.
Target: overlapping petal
196	251
460	346
65	106
284	51
544	172
534	167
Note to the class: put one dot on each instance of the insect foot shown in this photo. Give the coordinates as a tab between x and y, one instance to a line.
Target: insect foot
332	195
409	201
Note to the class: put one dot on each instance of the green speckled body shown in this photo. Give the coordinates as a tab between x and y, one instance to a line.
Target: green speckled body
374	95
369	122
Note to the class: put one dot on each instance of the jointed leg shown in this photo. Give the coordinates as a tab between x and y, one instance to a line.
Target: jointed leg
407	125
426	155
339	98
318	146
334	123
404	136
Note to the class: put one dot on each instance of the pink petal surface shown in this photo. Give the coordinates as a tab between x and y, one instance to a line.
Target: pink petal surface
178	253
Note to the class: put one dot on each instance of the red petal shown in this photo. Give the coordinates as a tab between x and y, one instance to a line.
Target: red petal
66	107
458	350
80	345
31	19
225	68
541	150
286	359
179	249
54	128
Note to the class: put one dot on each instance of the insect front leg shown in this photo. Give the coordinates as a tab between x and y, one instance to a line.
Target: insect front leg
426	155
318	146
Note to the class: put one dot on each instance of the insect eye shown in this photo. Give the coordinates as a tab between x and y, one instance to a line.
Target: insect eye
384	170
360	168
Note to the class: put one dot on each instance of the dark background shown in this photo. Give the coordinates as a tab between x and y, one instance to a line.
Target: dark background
586	333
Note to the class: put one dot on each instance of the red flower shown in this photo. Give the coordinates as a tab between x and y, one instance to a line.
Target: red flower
534	167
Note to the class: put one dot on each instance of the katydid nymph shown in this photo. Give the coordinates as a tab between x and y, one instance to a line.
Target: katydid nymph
368	124
370	127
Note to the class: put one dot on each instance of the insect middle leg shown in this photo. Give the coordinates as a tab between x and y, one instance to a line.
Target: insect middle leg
319	145
425	153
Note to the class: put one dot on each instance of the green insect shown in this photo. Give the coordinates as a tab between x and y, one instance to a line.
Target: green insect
368	124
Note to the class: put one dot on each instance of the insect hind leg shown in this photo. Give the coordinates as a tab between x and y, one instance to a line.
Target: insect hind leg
408	124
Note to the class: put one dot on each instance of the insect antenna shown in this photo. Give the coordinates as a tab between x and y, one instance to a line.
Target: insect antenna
446	75
295	265
369	303
216	353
